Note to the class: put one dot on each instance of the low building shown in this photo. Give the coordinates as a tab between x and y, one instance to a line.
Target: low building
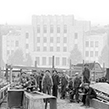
96	71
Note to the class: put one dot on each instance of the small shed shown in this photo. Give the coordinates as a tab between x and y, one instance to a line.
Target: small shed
95	69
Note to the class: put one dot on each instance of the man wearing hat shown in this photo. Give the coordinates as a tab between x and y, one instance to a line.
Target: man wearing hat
86	74
89	93
76	85
56	80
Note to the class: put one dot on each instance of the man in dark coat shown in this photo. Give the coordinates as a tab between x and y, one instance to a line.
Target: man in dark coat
76	85
89	93
55	79
70	86
86	74
64	83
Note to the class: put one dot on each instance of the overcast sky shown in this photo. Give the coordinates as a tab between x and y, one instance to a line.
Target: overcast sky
21	11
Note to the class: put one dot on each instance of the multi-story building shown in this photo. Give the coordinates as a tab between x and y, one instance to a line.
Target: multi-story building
93	45
20	38
56	36
47	36
10	43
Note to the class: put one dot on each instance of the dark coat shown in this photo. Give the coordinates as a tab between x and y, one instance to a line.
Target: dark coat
55	79
64	81
77	82
70	85
86	73
47	81
90	92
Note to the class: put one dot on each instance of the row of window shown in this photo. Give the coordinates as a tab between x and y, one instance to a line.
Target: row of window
49	60
10	52
27	35
17	45
92	44
51	49
91	53
51	29
12	43
58	39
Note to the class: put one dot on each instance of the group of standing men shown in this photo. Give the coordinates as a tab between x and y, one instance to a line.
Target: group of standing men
52	83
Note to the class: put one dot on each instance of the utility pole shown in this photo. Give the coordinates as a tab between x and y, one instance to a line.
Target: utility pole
53	62
104	70
83	43
35	64
94	72
70	70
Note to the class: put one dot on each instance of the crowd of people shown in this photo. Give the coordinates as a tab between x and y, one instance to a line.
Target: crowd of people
59	85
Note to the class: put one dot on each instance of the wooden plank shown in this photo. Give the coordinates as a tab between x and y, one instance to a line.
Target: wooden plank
37	96
103	87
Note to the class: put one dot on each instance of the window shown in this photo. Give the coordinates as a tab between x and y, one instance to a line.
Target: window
27	46
91	44
65	49
38	39
96	53
91	53
12	51
50	60
38	60
58	39
38	28
51	28
17	43
96	44
7	52
27	35
65	40
12	43
45	29
44	39
8	43
51	39
58	29
76	35
87	43
38	48
64	61
51	49
44	48
87	53
58	49
65	28
57	61
44	61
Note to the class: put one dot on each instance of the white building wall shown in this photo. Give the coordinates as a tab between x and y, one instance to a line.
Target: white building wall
72	28
101	40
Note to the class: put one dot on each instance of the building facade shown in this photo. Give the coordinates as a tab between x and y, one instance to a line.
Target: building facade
17	39
94	45
56	36
48	36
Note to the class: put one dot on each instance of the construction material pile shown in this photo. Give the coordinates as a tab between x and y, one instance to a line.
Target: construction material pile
102	90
